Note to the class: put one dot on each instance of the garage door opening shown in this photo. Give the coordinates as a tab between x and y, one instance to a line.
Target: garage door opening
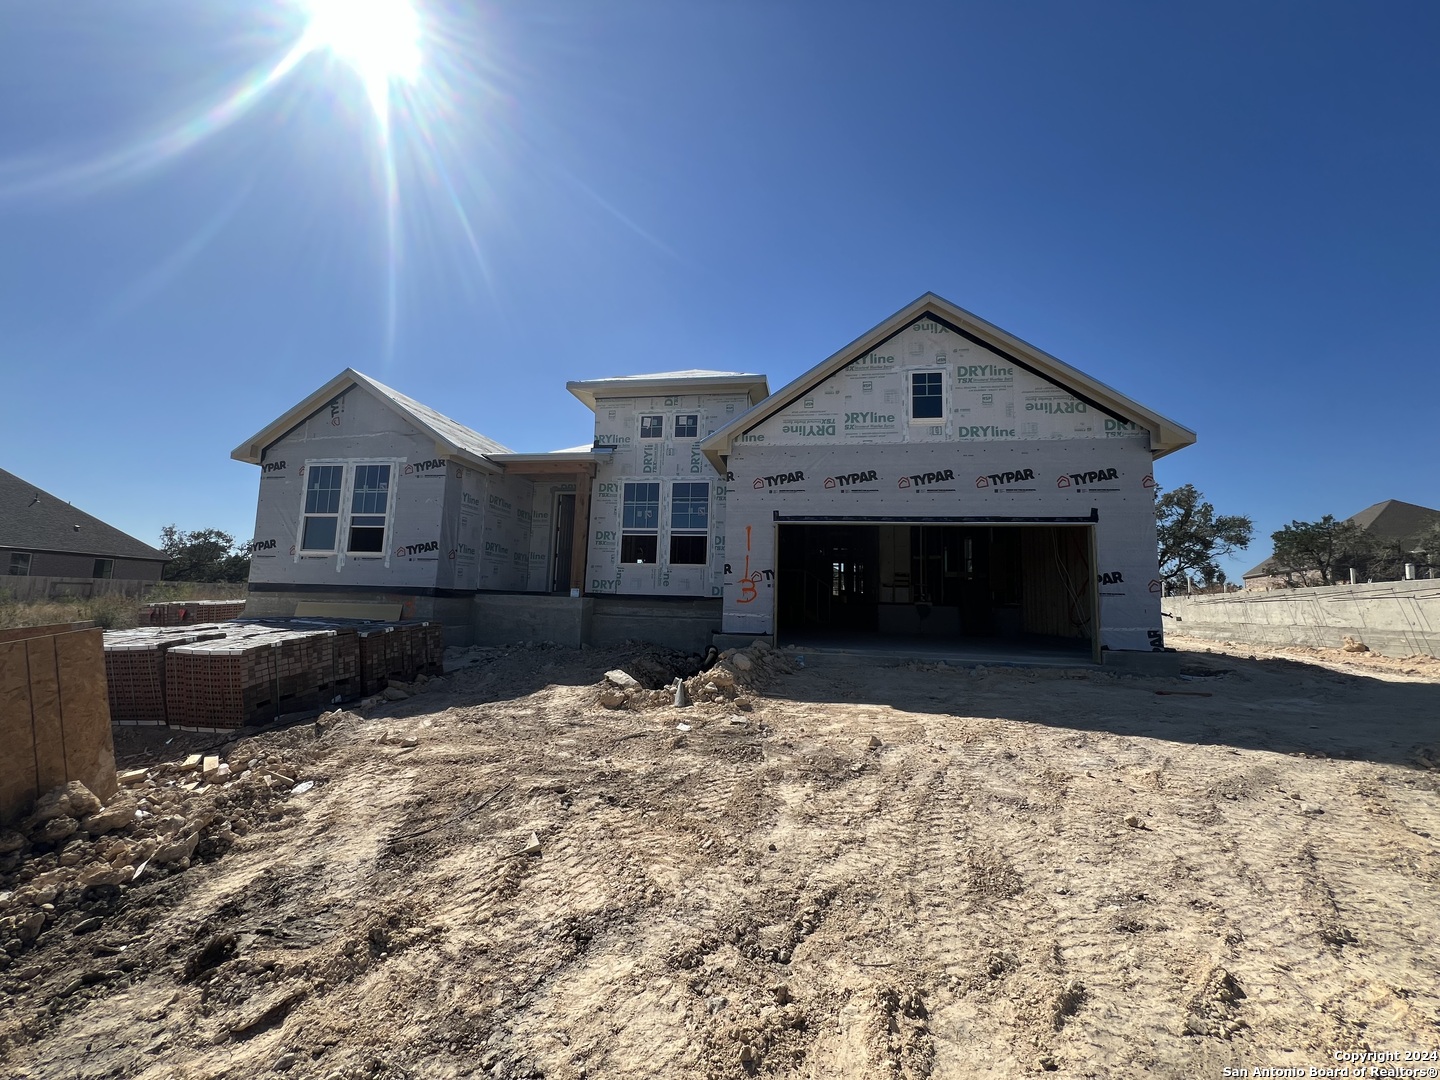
1026	586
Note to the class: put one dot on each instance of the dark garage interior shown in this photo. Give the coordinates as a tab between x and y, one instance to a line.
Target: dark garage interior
962	582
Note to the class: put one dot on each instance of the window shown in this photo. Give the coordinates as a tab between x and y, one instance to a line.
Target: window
104	568
652	427
689	524
322	507
927	401
687	425
640	524
367	509
20	563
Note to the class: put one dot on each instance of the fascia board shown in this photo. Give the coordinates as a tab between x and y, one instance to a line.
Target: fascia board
251	449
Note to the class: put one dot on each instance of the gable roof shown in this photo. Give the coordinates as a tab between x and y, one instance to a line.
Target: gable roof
1166	436
452	438
35	520
1392	519
694	381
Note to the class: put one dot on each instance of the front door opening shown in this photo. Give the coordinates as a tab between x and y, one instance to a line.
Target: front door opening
999	582
564	543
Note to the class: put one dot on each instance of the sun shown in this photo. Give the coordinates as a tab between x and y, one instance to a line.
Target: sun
380	39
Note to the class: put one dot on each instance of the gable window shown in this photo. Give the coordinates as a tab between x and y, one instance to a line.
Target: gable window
689	524
322	507
652	427
687	425
104	568
927	395
20	564
640	524
368	504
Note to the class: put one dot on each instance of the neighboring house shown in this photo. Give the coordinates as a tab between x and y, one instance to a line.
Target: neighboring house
937	477
1398	525
43	536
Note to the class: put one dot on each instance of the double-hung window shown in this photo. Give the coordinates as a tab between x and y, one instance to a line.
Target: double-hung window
652	427
368	503
640	524
104	568
689	524
927	395
322	507
687	425
20	564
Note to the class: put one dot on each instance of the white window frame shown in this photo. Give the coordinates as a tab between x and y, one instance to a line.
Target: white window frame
675	426
641	423
341	551
656	532
910	395
671	531
386	533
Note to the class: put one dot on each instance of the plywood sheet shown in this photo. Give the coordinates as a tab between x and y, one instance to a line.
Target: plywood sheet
23	633
85	711
45	712
18	784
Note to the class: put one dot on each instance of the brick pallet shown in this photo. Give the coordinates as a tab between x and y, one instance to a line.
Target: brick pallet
249	671
135	669
248	678
184	612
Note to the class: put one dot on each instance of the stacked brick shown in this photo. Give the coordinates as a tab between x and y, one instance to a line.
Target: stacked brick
249	672
185	612
135	669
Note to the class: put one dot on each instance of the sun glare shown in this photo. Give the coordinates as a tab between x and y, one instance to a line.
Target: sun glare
380	39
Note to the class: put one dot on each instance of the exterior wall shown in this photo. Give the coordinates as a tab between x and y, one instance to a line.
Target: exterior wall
505	539
357	427
987	399
667	460
542	533
67	564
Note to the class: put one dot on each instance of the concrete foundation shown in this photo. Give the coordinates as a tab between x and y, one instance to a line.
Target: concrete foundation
1394	618
688	625
452	612
505	618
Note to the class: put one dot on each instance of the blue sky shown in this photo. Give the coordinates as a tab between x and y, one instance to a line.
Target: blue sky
1226	211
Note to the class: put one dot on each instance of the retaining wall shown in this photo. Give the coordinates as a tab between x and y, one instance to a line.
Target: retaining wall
1394	618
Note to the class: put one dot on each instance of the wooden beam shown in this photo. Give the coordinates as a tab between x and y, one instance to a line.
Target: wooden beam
581	534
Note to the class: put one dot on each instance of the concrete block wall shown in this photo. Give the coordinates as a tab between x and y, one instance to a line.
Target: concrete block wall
1394	618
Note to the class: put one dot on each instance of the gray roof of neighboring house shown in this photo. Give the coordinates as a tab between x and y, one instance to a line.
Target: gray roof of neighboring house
454	436
35	520
1388	520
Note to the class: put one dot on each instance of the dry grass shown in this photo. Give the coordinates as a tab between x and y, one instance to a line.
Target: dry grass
113	612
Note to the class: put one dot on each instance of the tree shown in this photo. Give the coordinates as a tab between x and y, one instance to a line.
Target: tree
202	555
1324	549
1193	538
1429	543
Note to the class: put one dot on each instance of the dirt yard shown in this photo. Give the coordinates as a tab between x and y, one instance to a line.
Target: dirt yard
897	872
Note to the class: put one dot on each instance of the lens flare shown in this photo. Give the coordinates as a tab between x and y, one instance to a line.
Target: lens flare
380	39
